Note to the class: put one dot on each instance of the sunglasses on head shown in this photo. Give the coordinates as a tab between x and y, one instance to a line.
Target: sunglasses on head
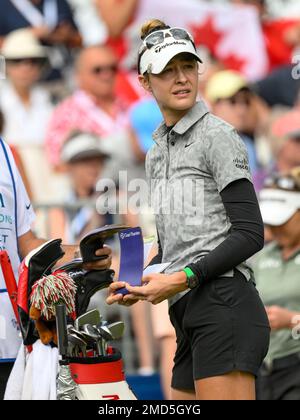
113	68
35	61
283	182
158	37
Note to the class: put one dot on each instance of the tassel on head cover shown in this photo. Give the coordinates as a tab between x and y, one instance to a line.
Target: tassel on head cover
51	290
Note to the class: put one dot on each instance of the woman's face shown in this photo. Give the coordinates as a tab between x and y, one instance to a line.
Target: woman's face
175	88
24	73
85	173
287	235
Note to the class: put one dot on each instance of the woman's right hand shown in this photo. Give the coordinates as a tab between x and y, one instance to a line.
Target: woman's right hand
115	297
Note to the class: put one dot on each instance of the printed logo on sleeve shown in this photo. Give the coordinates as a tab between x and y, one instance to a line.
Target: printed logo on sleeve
241	164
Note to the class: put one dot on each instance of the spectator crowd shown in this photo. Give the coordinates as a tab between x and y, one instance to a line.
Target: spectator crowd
72	111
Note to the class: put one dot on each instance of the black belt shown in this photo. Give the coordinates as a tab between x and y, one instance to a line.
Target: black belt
279	364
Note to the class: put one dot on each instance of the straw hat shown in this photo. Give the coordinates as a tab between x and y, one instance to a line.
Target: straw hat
22	44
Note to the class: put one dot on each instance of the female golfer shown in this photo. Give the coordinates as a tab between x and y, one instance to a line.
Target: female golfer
208	223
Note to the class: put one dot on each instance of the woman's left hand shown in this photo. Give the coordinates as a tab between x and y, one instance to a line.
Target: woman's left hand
157	287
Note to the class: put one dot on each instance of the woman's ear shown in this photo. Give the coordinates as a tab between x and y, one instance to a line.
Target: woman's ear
145	83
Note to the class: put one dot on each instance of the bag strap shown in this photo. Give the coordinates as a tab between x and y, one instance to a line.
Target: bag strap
34	16
14	190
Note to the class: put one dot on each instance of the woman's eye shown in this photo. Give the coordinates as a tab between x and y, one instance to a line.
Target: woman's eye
190	66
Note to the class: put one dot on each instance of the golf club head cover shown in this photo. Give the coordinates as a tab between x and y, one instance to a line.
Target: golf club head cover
95	240
34	266
87	282
45	330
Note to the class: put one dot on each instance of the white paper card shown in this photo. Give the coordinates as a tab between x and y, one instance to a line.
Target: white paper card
148	244
156	268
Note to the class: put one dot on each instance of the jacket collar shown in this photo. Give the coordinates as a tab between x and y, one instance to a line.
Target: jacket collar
194	114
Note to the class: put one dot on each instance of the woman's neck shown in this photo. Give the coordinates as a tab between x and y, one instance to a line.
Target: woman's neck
171	118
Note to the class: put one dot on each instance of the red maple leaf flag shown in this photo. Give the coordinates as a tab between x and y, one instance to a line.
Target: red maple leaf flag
231	32
206	34
232	62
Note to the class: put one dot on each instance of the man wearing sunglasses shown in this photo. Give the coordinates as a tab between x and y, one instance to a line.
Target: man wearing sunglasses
93	108
277	274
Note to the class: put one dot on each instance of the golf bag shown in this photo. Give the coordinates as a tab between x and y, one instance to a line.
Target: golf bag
100	378
39	263
93	376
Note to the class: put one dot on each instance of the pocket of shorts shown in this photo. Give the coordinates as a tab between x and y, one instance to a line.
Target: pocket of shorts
231	290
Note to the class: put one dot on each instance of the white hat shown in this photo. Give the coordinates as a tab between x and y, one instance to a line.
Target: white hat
155	59
22	44
224	84
82	146
278	206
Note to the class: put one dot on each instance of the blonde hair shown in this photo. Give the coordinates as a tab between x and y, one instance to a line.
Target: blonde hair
151	26
147	28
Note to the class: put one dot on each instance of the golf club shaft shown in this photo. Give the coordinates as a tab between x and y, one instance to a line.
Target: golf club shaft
62	332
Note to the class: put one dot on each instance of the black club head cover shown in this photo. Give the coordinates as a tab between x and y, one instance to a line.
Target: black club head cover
95	240
87	282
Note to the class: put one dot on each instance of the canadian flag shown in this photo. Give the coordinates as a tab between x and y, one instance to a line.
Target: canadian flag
232	33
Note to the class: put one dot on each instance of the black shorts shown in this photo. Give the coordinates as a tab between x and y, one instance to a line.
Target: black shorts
221	327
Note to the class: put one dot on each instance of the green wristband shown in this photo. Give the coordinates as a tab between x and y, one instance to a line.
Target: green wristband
189	273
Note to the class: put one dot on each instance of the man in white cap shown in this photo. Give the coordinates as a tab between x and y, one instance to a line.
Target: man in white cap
277	275
280	203
83	157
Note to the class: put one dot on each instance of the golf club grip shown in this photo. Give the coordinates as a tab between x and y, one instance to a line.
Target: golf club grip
61	327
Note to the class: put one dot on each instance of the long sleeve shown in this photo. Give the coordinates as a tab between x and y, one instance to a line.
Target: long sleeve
246	237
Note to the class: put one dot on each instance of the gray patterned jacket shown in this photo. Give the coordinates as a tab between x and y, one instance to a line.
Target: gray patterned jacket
186	169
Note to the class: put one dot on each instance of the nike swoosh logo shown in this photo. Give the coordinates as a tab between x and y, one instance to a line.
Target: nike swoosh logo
188	145
28	207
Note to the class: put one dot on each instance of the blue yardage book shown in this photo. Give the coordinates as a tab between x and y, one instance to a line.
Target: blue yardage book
132	257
